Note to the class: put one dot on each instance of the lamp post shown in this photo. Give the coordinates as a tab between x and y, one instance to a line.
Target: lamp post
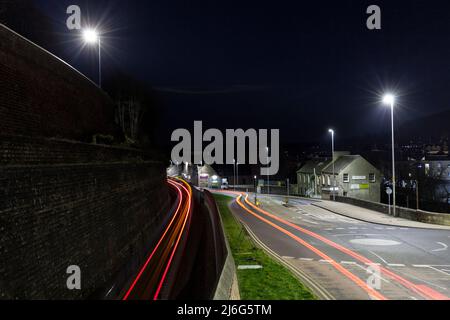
234	174
268	181
237	173
256	189
389	100
91	36
331	131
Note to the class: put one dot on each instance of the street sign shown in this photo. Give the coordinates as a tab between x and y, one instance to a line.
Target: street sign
388	191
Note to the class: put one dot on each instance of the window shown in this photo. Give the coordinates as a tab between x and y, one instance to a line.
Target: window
372	177
329	180
346	177
323	180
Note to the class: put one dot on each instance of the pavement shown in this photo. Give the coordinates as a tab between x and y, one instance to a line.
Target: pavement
342	253
371	216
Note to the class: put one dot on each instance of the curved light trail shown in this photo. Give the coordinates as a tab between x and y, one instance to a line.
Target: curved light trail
152	276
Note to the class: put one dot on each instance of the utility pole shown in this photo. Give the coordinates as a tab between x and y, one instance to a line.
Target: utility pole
417	195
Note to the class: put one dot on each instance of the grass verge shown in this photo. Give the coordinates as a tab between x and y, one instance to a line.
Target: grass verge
273	281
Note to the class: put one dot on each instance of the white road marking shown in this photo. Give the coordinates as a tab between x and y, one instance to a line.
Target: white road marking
396	265
421	265
287	257
439	270
325	261
375	242
444	247
379	257
348	262
306	259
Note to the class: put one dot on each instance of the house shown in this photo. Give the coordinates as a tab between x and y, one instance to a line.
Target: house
308	181
355	177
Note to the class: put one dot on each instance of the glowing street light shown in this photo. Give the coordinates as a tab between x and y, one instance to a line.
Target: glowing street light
331	131
389	100
91	37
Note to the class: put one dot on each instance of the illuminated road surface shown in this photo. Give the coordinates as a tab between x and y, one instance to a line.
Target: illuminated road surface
338	255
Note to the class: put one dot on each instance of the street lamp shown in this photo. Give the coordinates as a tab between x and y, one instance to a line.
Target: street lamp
237	173
256	188
91	36
234	174
331	131
389	100
268	181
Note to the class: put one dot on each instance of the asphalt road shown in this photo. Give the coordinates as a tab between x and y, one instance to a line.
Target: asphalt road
348	258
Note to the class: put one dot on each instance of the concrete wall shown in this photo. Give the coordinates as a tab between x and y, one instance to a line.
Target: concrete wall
410	214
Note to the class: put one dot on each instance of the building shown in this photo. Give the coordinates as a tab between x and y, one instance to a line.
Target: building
355	178
208	177
308	177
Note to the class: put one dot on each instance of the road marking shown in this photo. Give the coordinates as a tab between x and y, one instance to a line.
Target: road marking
372	263
444	247
325	261
375	242
439	270
379	257
306	259
287	257
396	265
340	228
348	262
353	228
421	266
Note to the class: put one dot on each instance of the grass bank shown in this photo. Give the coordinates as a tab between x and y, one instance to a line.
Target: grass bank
273	281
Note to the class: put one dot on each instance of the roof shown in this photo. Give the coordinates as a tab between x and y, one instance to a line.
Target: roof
317	163
207	169
341	163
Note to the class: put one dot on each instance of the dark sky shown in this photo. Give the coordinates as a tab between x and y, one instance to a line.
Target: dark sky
298	66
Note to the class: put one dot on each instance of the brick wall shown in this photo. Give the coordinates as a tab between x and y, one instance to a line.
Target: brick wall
64	202
100	216
42	95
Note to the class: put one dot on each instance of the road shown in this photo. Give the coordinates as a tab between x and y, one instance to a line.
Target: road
152	277
344	258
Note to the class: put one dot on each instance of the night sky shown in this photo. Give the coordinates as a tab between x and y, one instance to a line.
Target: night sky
300	66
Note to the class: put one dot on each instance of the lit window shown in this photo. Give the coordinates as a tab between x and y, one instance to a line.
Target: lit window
346	177
427	168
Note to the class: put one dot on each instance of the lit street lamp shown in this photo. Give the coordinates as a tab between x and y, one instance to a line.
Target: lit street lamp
389	100
91	36
331	131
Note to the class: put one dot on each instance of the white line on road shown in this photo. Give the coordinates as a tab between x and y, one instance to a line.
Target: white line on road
444	247
287	257
379	257
325	261
306	259
396	265
348	262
